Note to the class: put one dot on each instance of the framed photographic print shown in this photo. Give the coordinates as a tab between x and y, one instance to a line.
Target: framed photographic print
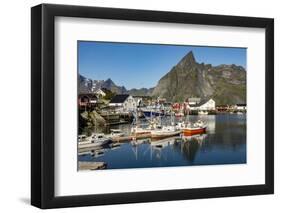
139	106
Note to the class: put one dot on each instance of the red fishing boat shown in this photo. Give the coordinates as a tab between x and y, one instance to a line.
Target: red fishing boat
197	128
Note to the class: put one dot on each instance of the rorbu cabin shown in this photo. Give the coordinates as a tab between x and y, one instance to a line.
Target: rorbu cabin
87	100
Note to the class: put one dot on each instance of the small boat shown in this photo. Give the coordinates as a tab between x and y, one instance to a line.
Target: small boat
196	128
82	138
140	130
137	129
83	141
202	113
99	139
116	133
164	132
94	141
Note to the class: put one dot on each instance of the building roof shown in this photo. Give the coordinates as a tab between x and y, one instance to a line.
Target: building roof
119	98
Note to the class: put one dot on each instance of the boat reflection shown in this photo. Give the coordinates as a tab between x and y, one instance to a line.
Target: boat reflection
192	145
187	145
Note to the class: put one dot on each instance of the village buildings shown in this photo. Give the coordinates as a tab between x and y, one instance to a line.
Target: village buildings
125	103
203	105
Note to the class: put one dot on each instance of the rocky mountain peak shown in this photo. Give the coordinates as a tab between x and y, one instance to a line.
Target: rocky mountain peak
226	84
187	60
109	82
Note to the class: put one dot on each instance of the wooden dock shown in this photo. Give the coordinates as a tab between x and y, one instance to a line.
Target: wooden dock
89	165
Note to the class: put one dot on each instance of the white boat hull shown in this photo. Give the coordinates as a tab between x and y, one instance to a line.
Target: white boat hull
164	134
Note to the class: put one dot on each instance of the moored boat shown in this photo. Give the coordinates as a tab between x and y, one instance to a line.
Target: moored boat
196	128
140	130
82	138
94	141
99	139
164	132
116	133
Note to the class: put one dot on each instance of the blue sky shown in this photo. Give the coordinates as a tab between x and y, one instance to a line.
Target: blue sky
142	65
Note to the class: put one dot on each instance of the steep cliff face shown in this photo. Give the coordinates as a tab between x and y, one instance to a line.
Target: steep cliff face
226	84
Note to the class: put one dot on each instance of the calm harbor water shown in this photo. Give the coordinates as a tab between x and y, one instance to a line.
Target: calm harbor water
223	143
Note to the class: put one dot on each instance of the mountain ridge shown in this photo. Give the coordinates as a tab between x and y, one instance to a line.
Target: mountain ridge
226	84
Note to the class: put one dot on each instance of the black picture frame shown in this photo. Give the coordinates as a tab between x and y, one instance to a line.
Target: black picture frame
43	117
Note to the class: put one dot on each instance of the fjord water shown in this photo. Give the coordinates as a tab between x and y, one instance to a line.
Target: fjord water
223	143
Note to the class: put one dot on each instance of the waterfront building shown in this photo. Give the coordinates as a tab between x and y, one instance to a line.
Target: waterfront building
123	103
204	105
241	107
87	100
139	100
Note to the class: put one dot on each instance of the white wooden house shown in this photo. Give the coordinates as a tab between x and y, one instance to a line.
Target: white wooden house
123	103
100	93
204	105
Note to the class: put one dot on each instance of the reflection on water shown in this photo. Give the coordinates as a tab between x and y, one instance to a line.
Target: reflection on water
223	143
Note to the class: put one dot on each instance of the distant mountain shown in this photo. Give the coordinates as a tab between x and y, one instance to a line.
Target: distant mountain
109	84
87	85
226	84
141	92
